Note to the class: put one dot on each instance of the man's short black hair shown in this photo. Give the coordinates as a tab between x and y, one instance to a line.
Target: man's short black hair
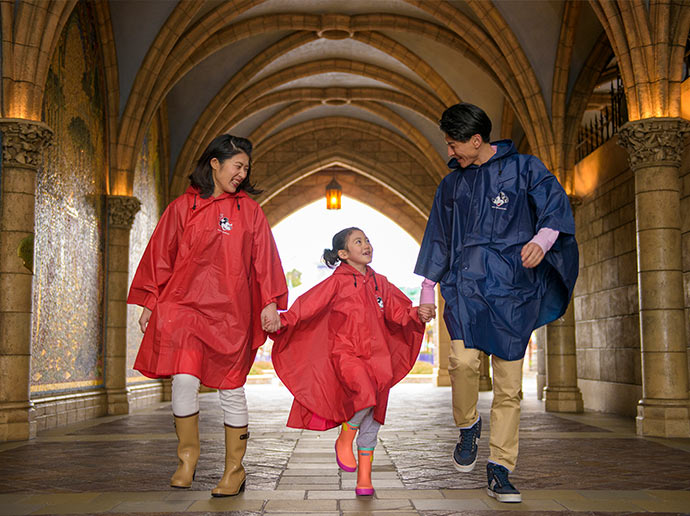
462	121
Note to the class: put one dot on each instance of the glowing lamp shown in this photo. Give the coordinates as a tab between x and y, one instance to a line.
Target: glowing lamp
333	194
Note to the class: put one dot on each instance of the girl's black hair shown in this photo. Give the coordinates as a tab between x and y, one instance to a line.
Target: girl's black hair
330	256
222	147
462	121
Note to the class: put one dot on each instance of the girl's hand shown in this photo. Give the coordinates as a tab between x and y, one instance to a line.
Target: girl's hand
144	319
426	312
531	255
270	320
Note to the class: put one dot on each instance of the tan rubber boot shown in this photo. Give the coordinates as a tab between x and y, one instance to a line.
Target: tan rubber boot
364	486
343	448
234	477
188	449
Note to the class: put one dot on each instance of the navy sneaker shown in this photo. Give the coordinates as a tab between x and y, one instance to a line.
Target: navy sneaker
500	487
465	454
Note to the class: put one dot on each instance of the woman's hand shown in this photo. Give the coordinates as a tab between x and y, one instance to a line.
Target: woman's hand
531	255
270	320
144	319
426	312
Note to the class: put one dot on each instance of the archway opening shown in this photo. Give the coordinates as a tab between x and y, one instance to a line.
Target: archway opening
302	237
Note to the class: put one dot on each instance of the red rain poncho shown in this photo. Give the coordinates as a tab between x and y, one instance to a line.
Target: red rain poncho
209	269
344	344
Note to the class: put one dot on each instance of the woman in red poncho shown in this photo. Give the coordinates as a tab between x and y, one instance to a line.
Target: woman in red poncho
210	282
343	345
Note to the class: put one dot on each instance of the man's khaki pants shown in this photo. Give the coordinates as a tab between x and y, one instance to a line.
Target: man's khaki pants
505	410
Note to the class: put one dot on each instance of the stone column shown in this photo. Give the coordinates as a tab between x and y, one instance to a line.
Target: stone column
561	393
442	378
540	336
484	374
121	212
655	146
23	142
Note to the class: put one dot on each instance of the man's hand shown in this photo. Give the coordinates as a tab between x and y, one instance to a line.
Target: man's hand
531	255
426	312
144	319
270	320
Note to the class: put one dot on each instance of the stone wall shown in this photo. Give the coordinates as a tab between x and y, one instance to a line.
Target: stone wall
606	298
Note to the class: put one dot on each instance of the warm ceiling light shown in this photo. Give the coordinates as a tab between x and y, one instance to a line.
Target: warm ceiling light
333	194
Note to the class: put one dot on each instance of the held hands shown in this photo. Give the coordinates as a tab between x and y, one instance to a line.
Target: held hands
531	255
426	312
144	319
270	320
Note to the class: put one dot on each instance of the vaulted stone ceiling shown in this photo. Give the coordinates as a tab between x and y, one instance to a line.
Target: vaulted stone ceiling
356	84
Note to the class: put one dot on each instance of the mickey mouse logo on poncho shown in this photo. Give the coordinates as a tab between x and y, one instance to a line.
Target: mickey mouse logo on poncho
500	201
224	223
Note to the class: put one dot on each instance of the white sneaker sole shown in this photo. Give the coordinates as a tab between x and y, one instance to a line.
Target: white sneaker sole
464	469
505	498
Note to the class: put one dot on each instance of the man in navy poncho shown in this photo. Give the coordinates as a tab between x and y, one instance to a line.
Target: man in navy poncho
500	240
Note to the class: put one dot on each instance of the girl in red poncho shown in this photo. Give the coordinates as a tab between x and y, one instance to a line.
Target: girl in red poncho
343	345
210	282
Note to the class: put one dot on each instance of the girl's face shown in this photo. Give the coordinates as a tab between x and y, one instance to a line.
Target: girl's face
358	251
228	175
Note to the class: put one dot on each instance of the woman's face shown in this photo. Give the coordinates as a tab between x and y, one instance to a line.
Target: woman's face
228	175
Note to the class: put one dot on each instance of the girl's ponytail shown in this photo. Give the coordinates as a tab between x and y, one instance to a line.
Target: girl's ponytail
330	257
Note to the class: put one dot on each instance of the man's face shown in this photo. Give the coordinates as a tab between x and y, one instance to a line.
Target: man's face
467	153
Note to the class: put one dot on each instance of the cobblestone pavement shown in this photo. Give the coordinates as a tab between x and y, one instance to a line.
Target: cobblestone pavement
588	464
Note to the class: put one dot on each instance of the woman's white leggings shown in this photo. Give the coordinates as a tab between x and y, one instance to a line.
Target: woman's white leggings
185	400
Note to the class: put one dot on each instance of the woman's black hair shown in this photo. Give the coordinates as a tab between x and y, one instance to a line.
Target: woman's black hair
462	121
330	256
222	147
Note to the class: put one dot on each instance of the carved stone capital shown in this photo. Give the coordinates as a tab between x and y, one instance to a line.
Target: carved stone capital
121	210
23	142
654	141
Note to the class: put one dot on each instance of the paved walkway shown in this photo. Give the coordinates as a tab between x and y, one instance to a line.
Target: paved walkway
585	464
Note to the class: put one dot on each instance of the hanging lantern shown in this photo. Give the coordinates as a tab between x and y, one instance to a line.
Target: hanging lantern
333	194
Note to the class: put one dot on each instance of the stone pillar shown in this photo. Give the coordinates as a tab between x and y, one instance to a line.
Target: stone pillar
23	142
121	212
561	393
484	374
655	146
540	336
442	379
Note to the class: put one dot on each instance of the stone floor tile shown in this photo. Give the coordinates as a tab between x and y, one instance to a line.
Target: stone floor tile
307	487
383	483
549	494
77	508
187	494
63	498
611	494
463	494
380	513
225	505
460	504
308	472
272	513
143	496
671	495
301	506
526	505
15	509
331	495
310	480
368	503
618	505
282	494
410	494
168	506
664	505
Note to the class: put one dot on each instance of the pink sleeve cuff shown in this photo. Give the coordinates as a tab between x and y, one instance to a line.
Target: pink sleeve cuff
427	296
545	238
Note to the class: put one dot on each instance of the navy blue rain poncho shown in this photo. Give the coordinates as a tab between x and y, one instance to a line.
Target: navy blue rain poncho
481	218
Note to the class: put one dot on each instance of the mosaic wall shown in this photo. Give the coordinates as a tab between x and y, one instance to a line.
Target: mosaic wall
67	335
148	188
